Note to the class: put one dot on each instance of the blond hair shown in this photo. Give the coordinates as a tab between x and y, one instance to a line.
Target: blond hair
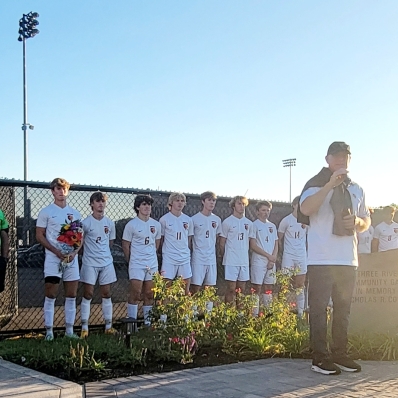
175	196
242	199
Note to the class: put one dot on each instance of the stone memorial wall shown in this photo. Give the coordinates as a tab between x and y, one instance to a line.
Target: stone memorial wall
374	305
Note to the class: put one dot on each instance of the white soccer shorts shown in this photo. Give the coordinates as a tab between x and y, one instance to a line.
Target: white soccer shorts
70	274
204	275
237	273
170	271
299	264
142	274
261	275
104	275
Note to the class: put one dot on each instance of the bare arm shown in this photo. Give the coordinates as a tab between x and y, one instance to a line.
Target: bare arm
261	252
111	242
157	244
375	245
41	238
5	244
312	204
126	250
275	251
190	242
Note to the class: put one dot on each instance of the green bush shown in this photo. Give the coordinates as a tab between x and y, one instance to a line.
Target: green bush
189	335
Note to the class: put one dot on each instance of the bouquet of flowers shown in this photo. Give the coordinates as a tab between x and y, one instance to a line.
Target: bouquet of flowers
69	239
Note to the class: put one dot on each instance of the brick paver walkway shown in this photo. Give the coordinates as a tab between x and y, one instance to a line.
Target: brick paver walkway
279	378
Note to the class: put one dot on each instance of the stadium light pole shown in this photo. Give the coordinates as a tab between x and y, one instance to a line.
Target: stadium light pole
289	163
27	29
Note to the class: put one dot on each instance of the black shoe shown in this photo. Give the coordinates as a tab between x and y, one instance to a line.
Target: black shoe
347	364
325	367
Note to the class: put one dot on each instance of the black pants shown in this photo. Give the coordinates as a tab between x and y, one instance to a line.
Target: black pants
325	281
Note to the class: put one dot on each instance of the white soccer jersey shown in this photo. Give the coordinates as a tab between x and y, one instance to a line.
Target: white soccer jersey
365	240
237	232
143	236
295	237
51	218
97	234
387	234
266	235
176	230
205	231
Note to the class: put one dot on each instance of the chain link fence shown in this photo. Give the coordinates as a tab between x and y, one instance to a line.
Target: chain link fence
22	301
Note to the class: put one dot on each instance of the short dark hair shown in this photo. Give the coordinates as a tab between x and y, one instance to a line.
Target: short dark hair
295	200
263	203
208	195
140	199
98	197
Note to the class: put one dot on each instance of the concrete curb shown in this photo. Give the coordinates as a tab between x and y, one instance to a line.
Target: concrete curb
17	382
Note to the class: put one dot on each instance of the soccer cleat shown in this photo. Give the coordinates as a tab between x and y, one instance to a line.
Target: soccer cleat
347	364
72	336
49	337
325	367
83	334
111	331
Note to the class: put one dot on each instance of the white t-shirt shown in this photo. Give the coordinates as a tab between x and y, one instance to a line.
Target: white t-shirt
176	230
205	231
237	232
266	235
142	236
97	234
324	248
387	234
365	240
295	237
52	218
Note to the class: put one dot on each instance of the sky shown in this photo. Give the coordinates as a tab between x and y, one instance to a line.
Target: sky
202	94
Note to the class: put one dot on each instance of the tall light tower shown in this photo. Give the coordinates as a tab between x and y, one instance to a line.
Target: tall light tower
27	29
289	163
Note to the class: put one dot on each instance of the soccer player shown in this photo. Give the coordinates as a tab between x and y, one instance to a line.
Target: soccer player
386	233
265	250
141	239
206	228
365	241
4	252
177	231
97	262
236	230
48	227
293	243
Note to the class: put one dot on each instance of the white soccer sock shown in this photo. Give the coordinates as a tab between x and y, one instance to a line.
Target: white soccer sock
256	306
49	304
267	299
85	312
70	314
300	301
107	311
146	309
132	310
209	306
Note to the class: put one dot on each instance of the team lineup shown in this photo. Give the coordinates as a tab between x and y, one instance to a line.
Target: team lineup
317	244
188	246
